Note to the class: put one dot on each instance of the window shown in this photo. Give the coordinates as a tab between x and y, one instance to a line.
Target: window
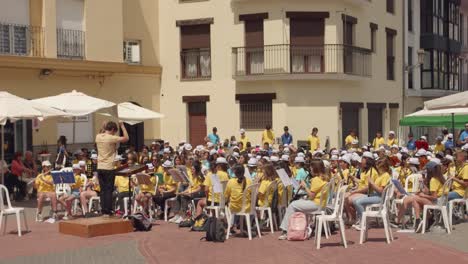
410	15
195	51
254	46
442	71
390	54
255	115
14	39
132	52
410	73
373	28
307	37
391	6
454	21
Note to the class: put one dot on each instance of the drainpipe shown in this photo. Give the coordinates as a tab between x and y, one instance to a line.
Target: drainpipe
403	69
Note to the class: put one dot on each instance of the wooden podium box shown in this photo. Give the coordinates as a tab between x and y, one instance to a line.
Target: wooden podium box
96	226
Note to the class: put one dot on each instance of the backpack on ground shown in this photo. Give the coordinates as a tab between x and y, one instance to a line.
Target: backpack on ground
200	223
187	223
216	230
140	222
298	228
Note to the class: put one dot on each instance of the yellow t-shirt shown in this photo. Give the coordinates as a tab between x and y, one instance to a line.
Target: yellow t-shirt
207	183
344	174
196	182
403	173
268	137
96	186
349	140
363	183
78	182
439	148
281	191
43	187
383	180
244	141
160	170
169	183
316	186
149	188
262	189
462	174
234	194
391	142
107	149
314	142
121	183
378	142
436	186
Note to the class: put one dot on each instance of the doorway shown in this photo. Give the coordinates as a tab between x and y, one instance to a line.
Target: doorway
197	122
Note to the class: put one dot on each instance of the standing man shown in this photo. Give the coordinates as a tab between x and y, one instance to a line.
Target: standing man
411	145
244	139
286	138
314	140
106	143
463	139
350	138
391	140
213	137
378	140
268	136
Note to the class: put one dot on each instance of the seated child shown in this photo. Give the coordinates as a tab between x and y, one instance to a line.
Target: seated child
45	189
91	190
66	200
147	190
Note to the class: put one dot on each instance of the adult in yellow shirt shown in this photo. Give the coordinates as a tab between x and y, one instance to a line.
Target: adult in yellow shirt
168	188
351	138
314	140
268	136
45	190
235	189
460	181
379	140
244	139
391	140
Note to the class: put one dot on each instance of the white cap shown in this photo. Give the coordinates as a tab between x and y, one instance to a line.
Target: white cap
368	155
94	156
118	158
395	146
391	132
421	152
166	142
275	151
210	144
286	145
150	166
274	159
449	157
266	158
252	162
413	161
326	163
76	166
376	156
82	163
423	137
235	147
344	152
286	150
334	157
258	157
450	135
242	131
285	158
301	154
182	142
299	159
335	152
404	150
213	151
188	147
167	150
168	164
465	147
46	163
346	158
221	160
436	161
236	154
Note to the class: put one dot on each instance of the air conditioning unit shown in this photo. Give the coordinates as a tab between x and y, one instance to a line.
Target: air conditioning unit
132	52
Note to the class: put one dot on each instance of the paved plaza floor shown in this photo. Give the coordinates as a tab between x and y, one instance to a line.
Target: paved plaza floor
166	243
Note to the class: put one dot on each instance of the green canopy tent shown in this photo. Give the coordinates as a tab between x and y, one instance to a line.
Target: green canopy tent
450	117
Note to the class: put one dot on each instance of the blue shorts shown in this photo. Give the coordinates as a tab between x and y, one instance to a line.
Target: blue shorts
75	193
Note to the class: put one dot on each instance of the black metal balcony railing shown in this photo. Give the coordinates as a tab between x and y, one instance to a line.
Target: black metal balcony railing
70	44
21	40
195	64
288	59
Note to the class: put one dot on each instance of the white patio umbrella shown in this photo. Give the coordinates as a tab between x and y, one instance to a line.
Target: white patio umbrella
78	104
14	108
133	114
458	100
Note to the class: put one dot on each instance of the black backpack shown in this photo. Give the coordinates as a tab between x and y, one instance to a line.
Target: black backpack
200	223
216	230
140	222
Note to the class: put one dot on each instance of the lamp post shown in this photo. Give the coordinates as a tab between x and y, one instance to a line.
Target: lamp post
421	58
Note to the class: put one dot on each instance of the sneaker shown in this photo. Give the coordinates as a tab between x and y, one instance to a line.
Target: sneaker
39	218
173	219
283	236
66	218
179	220
357	225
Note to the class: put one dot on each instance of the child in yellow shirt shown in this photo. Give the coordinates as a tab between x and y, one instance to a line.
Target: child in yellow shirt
45	189
76	188
235	190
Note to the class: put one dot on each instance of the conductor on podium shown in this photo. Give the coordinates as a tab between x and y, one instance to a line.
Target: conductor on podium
106	142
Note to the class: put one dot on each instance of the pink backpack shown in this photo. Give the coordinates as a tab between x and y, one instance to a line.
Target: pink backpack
298	229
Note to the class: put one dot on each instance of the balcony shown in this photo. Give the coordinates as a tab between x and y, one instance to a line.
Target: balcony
195	64
70	44
21	40
286	62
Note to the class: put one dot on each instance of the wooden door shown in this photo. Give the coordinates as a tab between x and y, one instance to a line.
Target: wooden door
197	122
349	121
374	121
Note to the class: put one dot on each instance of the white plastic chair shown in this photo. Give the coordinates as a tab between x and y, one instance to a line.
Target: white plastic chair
322	209
267	206
8	210
253	191
454	202
152	210
222	201
167	206
378	211
414	179
337	215
284	202
441	206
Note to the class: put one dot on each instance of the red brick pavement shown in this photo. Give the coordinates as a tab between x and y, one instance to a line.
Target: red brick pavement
168	244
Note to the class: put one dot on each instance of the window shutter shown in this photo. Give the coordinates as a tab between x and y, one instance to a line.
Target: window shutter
195	36
254	33
307	31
